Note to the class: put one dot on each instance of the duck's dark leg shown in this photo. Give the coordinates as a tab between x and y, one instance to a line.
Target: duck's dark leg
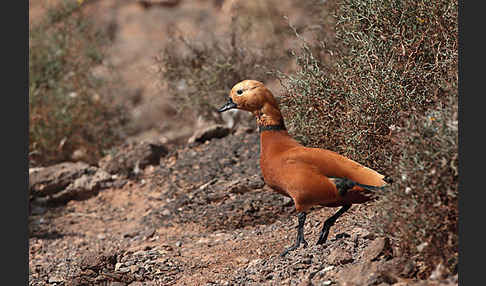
300	234
330	222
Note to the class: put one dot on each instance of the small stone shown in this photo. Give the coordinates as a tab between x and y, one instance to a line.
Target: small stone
140	253
375	249
362	273
254	262
124	270
118	184
134	268
55	279
364	233
439	272
128	263
118	266
339	256
306	282
242	260
178	243
422	246
203	240
329	268
129	234
307	260
38	210
79	155
165	212
148	233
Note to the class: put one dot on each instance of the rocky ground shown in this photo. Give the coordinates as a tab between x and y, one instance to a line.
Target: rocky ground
198	214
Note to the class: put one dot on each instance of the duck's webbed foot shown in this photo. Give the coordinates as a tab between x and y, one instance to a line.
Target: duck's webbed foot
300	234
330	222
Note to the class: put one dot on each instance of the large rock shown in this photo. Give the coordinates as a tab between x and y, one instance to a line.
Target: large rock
243	185
84	187
339	256
66	181
378	248
208	133
50	180
130	158
365	274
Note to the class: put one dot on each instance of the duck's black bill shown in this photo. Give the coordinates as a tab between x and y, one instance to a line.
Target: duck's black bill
229	105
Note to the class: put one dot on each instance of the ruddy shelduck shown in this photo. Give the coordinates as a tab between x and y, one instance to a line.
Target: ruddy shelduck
310	176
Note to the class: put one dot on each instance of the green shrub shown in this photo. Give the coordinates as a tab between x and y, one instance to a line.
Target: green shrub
383	63
378	66
68	109
420	211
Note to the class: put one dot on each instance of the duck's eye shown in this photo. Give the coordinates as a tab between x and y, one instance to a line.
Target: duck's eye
239	91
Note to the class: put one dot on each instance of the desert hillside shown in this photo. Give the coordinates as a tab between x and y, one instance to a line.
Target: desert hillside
134	179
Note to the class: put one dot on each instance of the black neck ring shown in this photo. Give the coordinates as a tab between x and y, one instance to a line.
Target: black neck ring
271	127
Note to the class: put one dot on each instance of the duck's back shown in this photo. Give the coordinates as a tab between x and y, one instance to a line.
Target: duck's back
332	164
280	153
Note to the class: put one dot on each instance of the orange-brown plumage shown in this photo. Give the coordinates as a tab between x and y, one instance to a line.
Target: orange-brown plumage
304	172
308	175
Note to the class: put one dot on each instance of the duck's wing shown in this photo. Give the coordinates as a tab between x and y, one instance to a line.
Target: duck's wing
332	164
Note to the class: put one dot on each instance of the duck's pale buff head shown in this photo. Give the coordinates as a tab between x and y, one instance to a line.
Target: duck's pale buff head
253	96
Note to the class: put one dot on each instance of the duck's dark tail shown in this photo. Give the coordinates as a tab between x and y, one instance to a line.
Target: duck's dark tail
371	188
345	184
388	179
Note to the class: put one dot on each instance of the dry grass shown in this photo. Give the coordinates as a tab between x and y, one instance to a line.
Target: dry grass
420	212
199	72
68	109
380	86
